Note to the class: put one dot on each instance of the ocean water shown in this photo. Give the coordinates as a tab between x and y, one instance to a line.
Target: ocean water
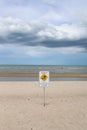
37	68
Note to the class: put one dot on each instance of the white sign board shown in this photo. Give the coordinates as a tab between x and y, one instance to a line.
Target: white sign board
44	78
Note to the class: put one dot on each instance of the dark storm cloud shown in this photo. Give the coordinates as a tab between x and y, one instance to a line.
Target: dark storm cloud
65	43
19	38
42	34
31	39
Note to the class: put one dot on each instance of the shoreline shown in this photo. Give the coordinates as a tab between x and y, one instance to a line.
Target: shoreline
54	75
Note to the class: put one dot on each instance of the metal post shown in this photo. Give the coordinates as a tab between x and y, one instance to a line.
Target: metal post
44	96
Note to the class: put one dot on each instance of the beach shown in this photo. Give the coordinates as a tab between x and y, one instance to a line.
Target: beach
21	106
54	75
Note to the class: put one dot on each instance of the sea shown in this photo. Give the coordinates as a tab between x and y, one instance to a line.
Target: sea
37	68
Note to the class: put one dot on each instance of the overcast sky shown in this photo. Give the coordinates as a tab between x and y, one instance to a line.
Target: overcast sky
43	32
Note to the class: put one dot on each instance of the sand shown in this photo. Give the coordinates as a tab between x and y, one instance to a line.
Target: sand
21	106
54	75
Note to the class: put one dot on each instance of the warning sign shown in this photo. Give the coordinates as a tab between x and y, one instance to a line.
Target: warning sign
44	78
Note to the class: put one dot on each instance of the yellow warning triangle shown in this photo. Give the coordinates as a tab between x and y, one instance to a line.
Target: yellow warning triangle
44	77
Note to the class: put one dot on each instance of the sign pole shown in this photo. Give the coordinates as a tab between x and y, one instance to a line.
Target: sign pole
44	81
44	96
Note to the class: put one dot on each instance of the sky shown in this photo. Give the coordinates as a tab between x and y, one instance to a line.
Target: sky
43	32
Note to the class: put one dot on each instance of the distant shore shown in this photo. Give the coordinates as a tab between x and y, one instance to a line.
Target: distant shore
54	75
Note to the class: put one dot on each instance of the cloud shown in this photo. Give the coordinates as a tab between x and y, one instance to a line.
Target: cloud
12	51
51	2
51	16
53	11
71	11
18	32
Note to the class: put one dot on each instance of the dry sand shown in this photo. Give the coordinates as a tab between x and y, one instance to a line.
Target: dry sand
21	106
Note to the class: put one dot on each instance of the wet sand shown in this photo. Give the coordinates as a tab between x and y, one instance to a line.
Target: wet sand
60	75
